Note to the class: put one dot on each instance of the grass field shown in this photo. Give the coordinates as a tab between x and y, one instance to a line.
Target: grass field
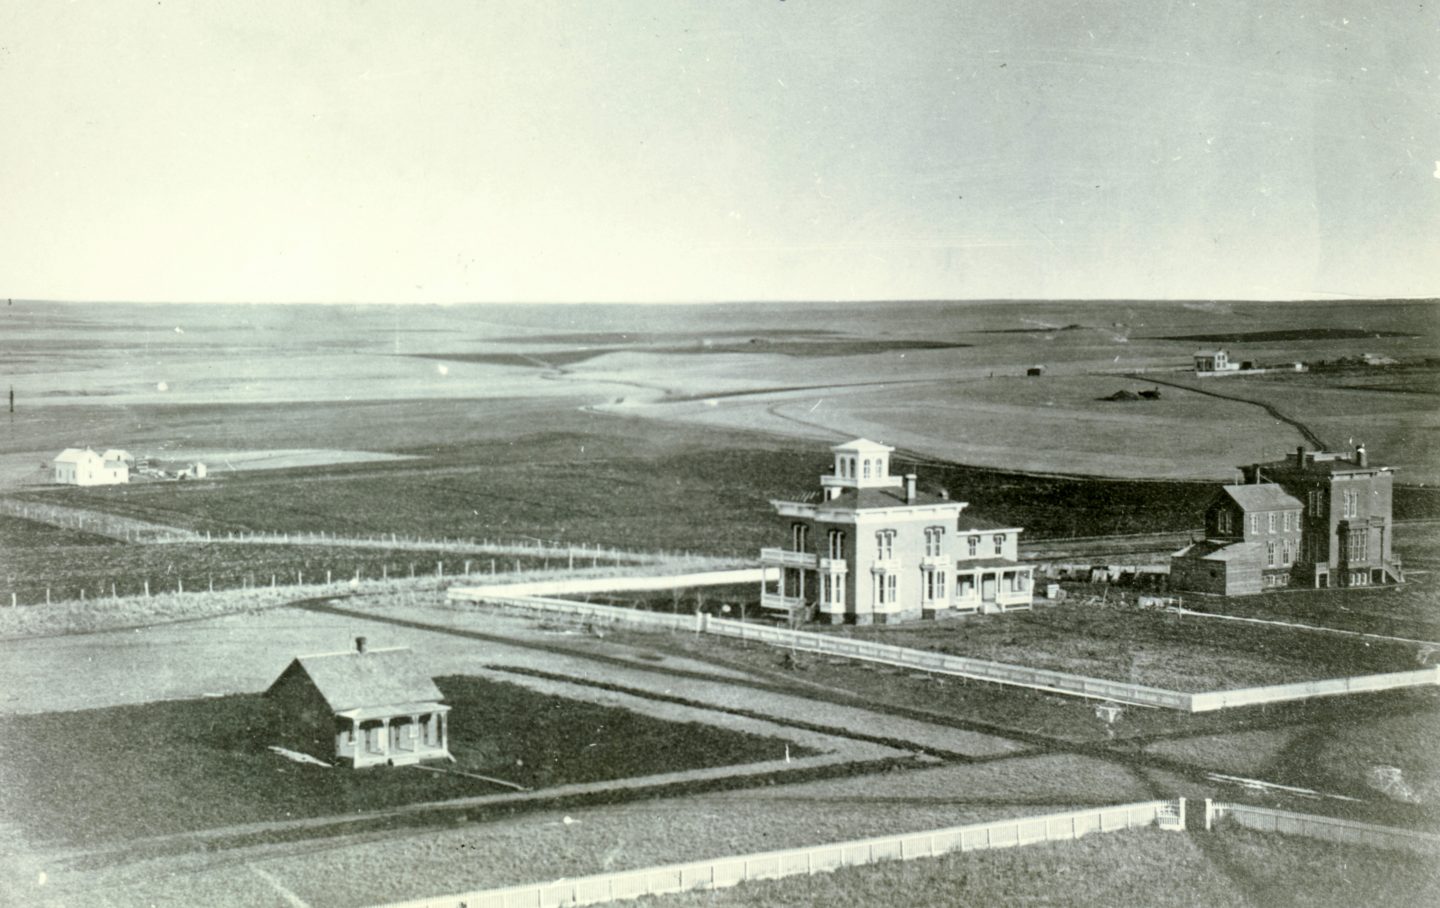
198	764
1136	867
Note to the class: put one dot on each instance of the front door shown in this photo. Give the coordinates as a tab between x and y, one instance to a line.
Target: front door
987	587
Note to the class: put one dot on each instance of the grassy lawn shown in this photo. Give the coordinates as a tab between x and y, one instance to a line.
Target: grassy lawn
1135	867
1411	610
1142	647
1001	709
96	775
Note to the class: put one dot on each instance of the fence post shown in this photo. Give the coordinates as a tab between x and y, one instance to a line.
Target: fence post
147	587
327	576
179	585
439	569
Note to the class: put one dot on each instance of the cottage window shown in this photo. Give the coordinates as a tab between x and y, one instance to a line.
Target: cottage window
999	543
867	469
836	541
973	545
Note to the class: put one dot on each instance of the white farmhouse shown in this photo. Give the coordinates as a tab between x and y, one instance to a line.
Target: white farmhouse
78	467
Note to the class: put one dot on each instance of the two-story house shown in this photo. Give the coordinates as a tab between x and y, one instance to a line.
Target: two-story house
1348	524
872	548
1252	541
1318	519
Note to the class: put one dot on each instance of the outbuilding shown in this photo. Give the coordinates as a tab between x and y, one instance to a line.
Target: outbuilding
362	707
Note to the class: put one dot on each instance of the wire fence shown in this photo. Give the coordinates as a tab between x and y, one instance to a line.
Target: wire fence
724	872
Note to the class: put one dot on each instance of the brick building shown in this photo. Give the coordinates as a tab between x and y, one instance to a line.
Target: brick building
872	548
1317	519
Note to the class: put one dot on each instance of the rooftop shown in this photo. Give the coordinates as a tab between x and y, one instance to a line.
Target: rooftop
1264	496
870	499
1219	550
381	677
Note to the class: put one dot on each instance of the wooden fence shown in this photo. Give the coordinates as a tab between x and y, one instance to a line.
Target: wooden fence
720	873
941	663
1330	829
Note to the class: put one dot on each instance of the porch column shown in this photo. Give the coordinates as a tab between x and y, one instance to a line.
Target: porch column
415	730
385	736
357	741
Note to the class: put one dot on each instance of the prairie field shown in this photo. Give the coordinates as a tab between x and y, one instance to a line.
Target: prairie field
1136	867
184	765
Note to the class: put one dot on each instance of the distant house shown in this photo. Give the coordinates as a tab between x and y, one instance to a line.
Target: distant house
1214	361
874	549
362	707
1035	370
1317	519
83	467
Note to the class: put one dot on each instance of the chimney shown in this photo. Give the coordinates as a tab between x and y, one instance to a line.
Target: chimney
1361	460
359	644
1300	456
909	487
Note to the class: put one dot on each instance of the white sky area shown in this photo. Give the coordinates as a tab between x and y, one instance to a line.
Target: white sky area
670	150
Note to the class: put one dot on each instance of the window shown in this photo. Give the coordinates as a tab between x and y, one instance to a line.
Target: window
799	537
934	539
885	545
836	540
1269	554
1270	522
836	586
1285	552
885	585
1358	546
1286	521
973	545
1223	521
934	585
1254	524
1352	503
999	543
867	469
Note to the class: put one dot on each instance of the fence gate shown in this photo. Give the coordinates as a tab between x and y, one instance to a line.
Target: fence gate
1171	814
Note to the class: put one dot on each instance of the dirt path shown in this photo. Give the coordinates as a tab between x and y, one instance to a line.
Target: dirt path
1291	421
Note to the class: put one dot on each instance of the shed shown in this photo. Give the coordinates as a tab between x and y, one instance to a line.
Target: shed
1035	370
365	707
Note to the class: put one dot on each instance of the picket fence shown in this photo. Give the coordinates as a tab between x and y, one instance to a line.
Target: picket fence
1266	819
979	669
723	872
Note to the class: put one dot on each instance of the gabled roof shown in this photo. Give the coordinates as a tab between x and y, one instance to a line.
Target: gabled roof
1262	496
382	677
861	444
875	498
76	455
1218	550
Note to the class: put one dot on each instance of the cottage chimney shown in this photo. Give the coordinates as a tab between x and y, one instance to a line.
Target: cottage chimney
359	644
909	487
1361	460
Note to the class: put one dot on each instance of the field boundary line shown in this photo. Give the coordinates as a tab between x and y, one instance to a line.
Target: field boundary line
720	873
1304	627
1269	819
928	661
1274	411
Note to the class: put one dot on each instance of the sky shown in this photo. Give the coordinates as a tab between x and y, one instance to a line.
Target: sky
665	150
